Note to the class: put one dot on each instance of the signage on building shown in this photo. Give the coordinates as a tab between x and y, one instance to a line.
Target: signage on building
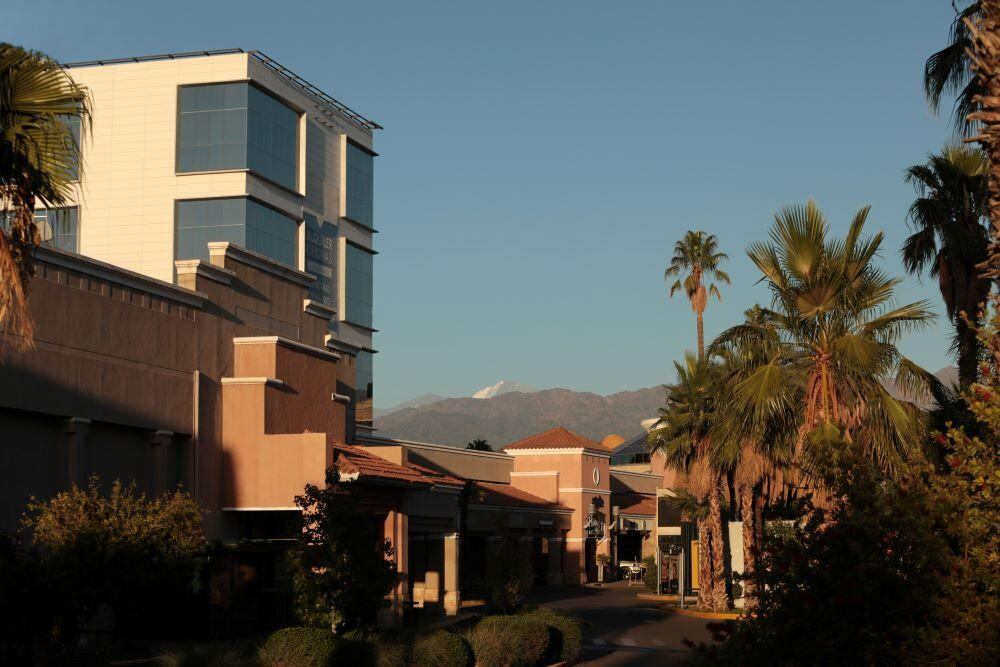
593	525
546	522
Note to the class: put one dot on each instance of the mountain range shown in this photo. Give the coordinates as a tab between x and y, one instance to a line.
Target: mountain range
508	411
516	413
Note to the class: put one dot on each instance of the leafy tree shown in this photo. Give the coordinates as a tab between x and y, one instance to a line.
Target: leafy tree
683	436
479	445
851	586
815	379
950	239
39	162
121	551
342	570
508	574
697	255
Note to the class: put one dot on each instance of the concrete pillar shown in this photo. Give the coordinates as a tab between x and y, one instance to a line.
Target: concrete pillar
159	457
555	574
432	575
74	453
452	589
575	564
396	527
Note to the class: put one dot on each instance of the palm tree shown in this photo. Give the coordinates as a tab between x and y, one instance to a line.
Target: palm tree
814	385
984	56
39	161
682	436
697	255
479	445
950	239
950	71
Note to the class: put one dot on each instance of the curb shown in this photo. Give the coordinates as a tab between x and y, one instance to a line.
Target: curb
711	615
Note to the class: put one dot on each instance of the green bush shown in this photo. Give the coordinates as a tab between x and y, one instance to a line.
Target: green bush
441	649
510	641
193	655
566	636
508	575
649	576
303	647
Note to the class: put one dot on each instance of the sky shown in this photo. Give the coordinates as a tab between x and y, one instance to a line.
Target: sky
540	158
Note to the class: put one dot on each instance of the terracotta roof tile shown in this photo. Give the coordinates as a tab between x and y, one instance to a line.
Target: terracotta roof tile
505	495
635	503
369	467
557	438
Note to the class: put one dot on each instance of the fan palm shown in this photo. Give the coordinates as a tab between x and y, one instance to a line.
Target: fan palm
682	437
814	384
39	160
949	71
697	255
950	238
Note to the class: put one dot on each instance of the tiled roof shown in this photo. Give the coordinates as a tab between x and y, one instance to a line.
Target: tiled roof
557	438
635	503
505	495
369	467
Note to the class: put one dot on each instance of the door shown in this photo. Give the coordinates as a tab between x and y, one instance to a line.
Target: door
590	559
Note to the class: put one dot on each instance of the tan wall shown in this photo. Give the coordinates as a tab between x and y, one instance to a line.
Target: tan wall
463	463
626	481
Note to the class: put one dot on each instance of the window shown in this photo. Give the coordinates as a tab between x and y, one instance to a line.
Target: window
321	259
59	227
358	288
360	185
238	220
363	377
72	123
237	126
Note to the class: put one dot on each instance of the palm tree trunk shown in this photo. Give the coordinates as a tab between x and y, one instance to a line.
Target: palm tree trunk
749	548
701	335
985	60
968	352
720	597
704	565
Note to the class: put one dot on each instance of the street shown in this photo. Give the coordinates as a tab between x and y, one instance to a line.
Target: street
620	629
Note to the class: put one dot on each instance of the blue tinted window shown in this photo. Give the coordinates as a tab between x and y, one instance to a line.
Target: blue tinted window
364	377
272	133
359	278
321	259
59	227
212	132
237	126
72	124
237	220
360	185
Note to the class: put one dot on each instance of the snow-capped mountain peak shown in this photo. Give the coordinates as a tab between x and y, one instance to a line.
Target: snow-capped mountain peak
503	387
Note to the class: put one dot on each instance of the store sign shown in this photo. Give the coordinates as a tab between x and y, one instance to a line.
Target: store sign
546	522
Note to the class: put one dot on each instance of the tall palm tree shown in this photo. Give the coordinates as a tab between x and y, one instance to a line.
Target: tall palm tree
39	162
697	255
949	71
984	56
950	239
682	436
835	332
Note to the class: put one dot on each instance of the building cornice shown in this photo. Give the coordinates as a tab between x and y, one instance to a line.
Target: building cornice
286	342
646	475
529	510
271	382
116	274
556	451
583	489
541	473
224	249
219	274
318	308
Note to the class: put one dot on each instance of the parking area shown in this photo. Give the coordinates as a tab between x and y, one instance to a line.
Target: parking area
621	629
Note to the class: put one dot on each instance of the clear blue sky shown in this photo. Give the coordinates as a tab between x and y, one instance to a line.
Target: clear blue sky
540	158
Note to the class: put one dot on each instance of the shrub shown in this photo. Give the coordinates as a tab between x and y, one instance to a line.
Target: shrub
510	641
302	647
441	649
380	649
649	576
203	656
508	575
565	638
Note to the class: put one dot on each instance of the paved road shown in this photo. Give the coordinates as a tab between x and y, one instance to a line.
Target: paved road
620	629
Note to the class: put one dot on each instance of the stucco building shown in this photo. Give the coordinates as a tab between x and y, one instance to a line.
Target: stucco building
203	313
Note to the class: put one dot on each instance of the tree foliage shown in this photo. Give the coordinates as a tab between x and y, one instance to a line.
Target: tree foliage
342	569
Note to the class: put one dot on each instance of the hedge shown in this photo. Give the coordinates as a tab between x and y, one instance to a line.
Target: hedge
510	641
441	649
566	636
300	647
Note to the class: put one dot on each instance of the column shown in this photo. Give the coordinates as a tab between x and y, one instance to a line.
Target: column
397	528
555	573
452	590
432	575
159	456
74	453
